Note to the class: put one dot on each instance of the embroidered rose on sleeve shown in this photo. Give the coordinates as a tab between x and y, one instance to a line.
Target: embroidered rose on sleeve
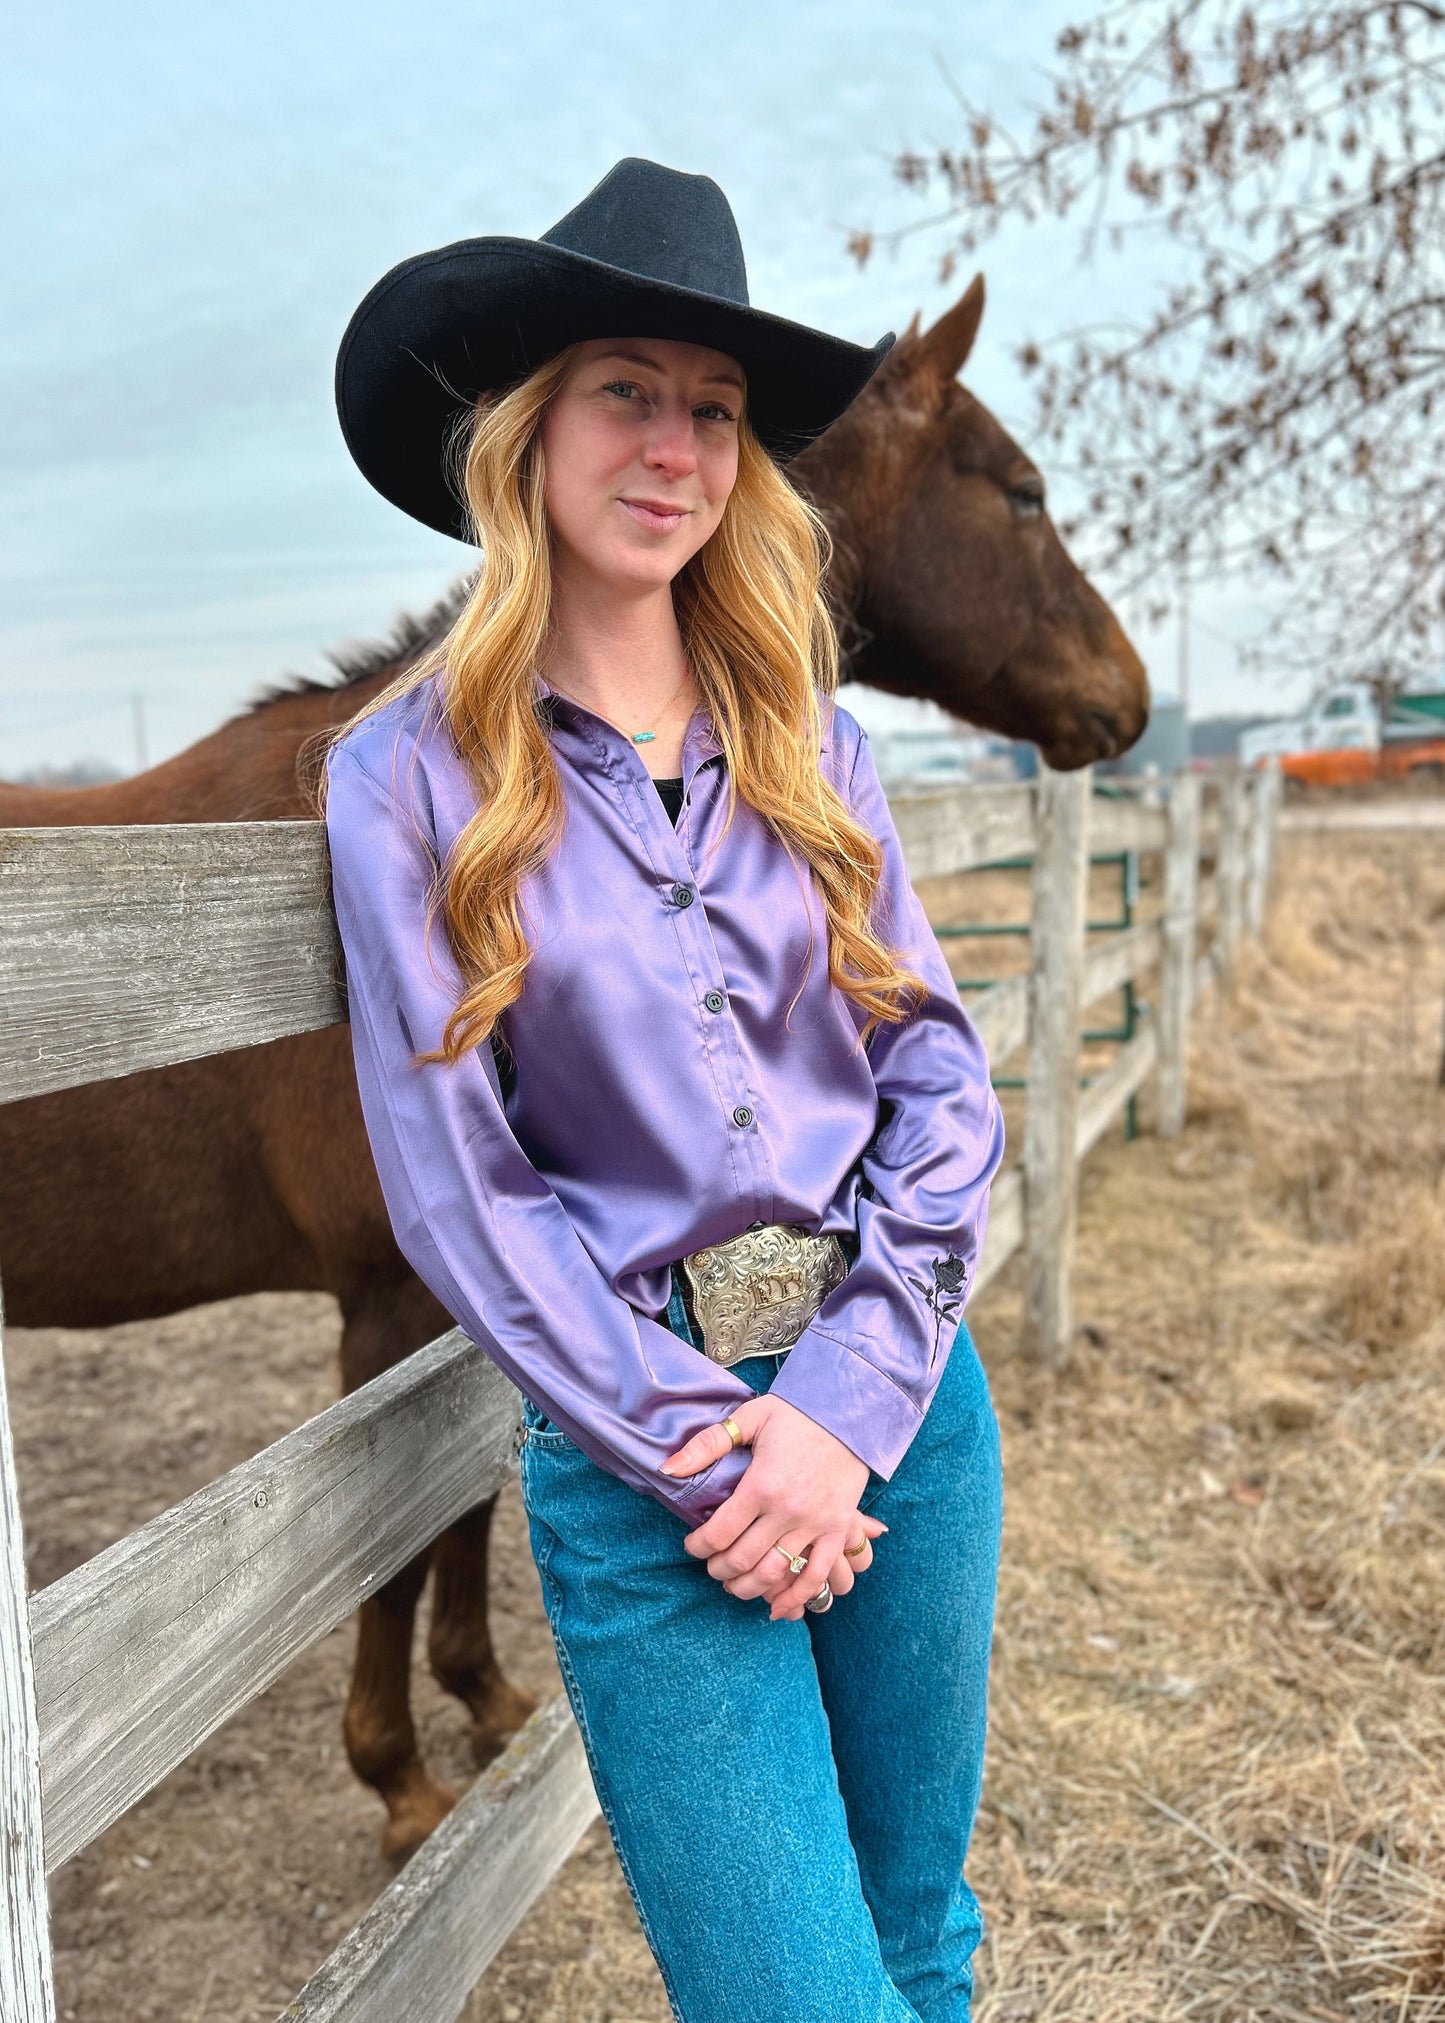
942	1297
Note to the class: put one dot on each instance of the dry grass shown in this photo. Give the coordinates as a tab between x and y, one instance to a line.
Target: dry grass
1217	1783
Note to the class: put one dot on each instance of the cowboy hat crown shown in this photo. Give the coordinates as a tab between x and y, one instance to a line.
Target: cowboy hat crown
661	225
649	252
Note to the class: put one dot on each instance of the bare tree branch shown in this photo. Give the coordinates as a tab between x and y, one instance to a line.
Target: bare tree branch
1281	412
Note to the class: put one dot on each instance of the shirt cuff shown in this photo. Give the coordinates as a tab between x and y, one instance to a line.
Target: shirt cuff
851	1397
696	1497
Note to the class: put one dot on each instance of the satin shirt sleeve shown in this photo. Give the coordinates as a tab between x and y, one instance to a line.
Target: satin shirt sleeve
469	1211
869	1363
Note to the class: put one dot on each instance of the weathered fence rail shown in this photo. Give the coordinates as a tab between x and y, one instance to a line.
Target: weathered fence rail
145	1650
130	948
137	947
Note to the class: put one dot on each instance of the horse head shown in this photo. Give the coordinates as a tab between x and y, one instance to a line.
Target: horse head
950	580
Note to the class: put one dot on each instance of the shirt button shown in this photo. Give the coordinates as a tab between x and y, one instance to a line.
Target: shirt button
714	1000
682	895
742	1116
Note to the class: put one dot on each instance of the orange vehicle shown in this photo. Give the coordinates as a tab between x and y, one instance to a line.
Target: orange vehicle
1342	740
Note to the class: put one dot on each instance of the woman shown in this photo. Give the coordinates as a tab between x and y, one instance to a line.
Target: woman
671	1097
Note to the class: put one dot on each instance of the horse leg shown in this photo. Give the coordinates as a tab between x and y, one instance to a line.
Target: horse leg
384	1320
460	1643
379	1731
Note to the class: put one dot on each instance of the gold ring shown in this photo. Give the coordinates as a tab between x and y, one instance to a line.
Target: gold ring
796	1561
856	1551
734	1431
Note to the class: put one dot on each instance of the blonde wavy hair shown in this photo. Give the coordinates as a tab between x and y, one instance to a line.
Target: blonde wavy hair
762	646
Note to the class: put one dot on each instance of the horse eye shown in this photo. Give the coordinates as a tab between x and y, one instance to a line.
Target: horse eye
1027	498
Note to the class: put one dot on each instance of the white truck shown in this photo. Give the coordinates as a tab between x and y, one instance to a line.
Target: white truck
1343	739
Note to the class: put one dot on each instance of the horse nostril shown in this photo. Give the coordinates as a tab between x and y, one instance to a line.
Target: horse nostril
1107	725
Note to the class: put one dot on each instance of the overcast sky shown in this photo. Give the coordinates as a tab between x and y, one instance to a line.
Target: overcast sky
198	196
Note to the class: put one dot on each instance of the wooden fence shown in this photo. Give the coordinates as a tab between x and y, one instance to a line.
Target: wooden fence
132	947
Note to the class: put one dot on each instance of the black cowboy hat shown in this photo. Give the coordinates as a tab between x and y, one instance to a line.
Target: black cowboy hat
650	252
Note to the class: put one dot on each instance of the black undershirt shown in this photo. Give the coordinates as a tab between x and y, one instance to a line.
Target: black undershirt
671	792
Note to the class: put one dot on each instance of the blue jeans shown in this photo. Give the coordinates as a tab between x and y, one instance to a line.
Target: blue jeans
791	1802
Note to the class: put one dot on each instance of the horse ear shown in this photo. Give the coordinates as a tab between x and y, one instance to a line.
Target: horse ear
942	352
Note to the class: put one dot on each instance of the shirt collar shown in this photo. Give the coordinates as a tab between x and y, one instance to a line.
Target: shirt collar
700	741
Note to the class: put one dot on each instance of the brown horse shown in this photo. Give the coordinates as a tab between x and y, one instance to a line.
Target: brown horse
250	1171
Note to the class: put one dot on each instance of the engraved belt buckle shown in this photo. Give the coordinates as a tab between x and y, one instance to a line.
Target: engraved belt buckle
757	1292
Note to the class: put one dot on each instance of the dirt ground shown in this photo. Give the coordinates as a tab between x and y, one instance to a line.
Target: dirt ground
1216	1785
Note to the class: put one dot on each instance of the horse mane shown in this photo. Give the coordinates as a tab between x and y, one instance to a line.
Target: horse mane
410	637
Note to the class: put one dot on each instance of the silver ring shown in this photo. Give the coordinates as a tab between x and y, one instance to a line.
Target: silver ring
821	1602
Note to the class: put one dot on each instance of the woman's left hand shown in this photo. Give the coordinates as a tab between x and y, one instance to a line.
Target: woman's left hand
800	1491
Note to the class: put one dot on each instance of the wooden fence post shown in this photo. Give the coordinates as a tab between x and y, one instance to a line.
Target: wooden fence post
1181	906
1231	862
1256	849
1271	785
27	1990
1059	902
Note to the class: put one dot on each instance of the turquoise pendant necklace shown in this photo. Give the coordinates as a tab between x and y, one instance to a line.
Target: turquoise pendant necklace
649	737
641	737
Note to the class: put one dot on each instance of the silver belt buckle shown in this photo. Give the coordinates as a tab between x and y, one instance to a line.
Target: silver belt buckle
757	1292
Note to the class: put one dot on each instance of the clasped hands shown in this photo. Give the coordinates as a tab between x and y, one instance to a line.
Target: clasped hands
800	1491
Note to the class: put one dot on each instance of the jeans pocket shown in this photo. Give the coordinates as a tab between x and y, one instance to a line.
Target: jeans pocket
537	1428
872	1490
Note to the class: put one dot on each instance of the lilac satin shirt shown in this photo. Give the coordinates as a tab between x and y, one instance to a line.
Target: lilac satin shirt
665	1096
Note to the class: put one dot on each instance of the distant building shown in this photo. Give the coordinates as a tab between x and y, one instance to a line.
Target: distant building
1212	738
917	745
928	758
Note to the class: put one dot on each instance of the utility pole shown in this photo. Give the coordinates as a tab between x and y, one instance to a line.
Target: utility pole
1183	659
138	721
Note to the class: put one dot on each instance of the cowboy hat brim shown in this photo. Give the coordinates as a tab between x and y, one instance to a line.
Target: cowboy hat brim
444	327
